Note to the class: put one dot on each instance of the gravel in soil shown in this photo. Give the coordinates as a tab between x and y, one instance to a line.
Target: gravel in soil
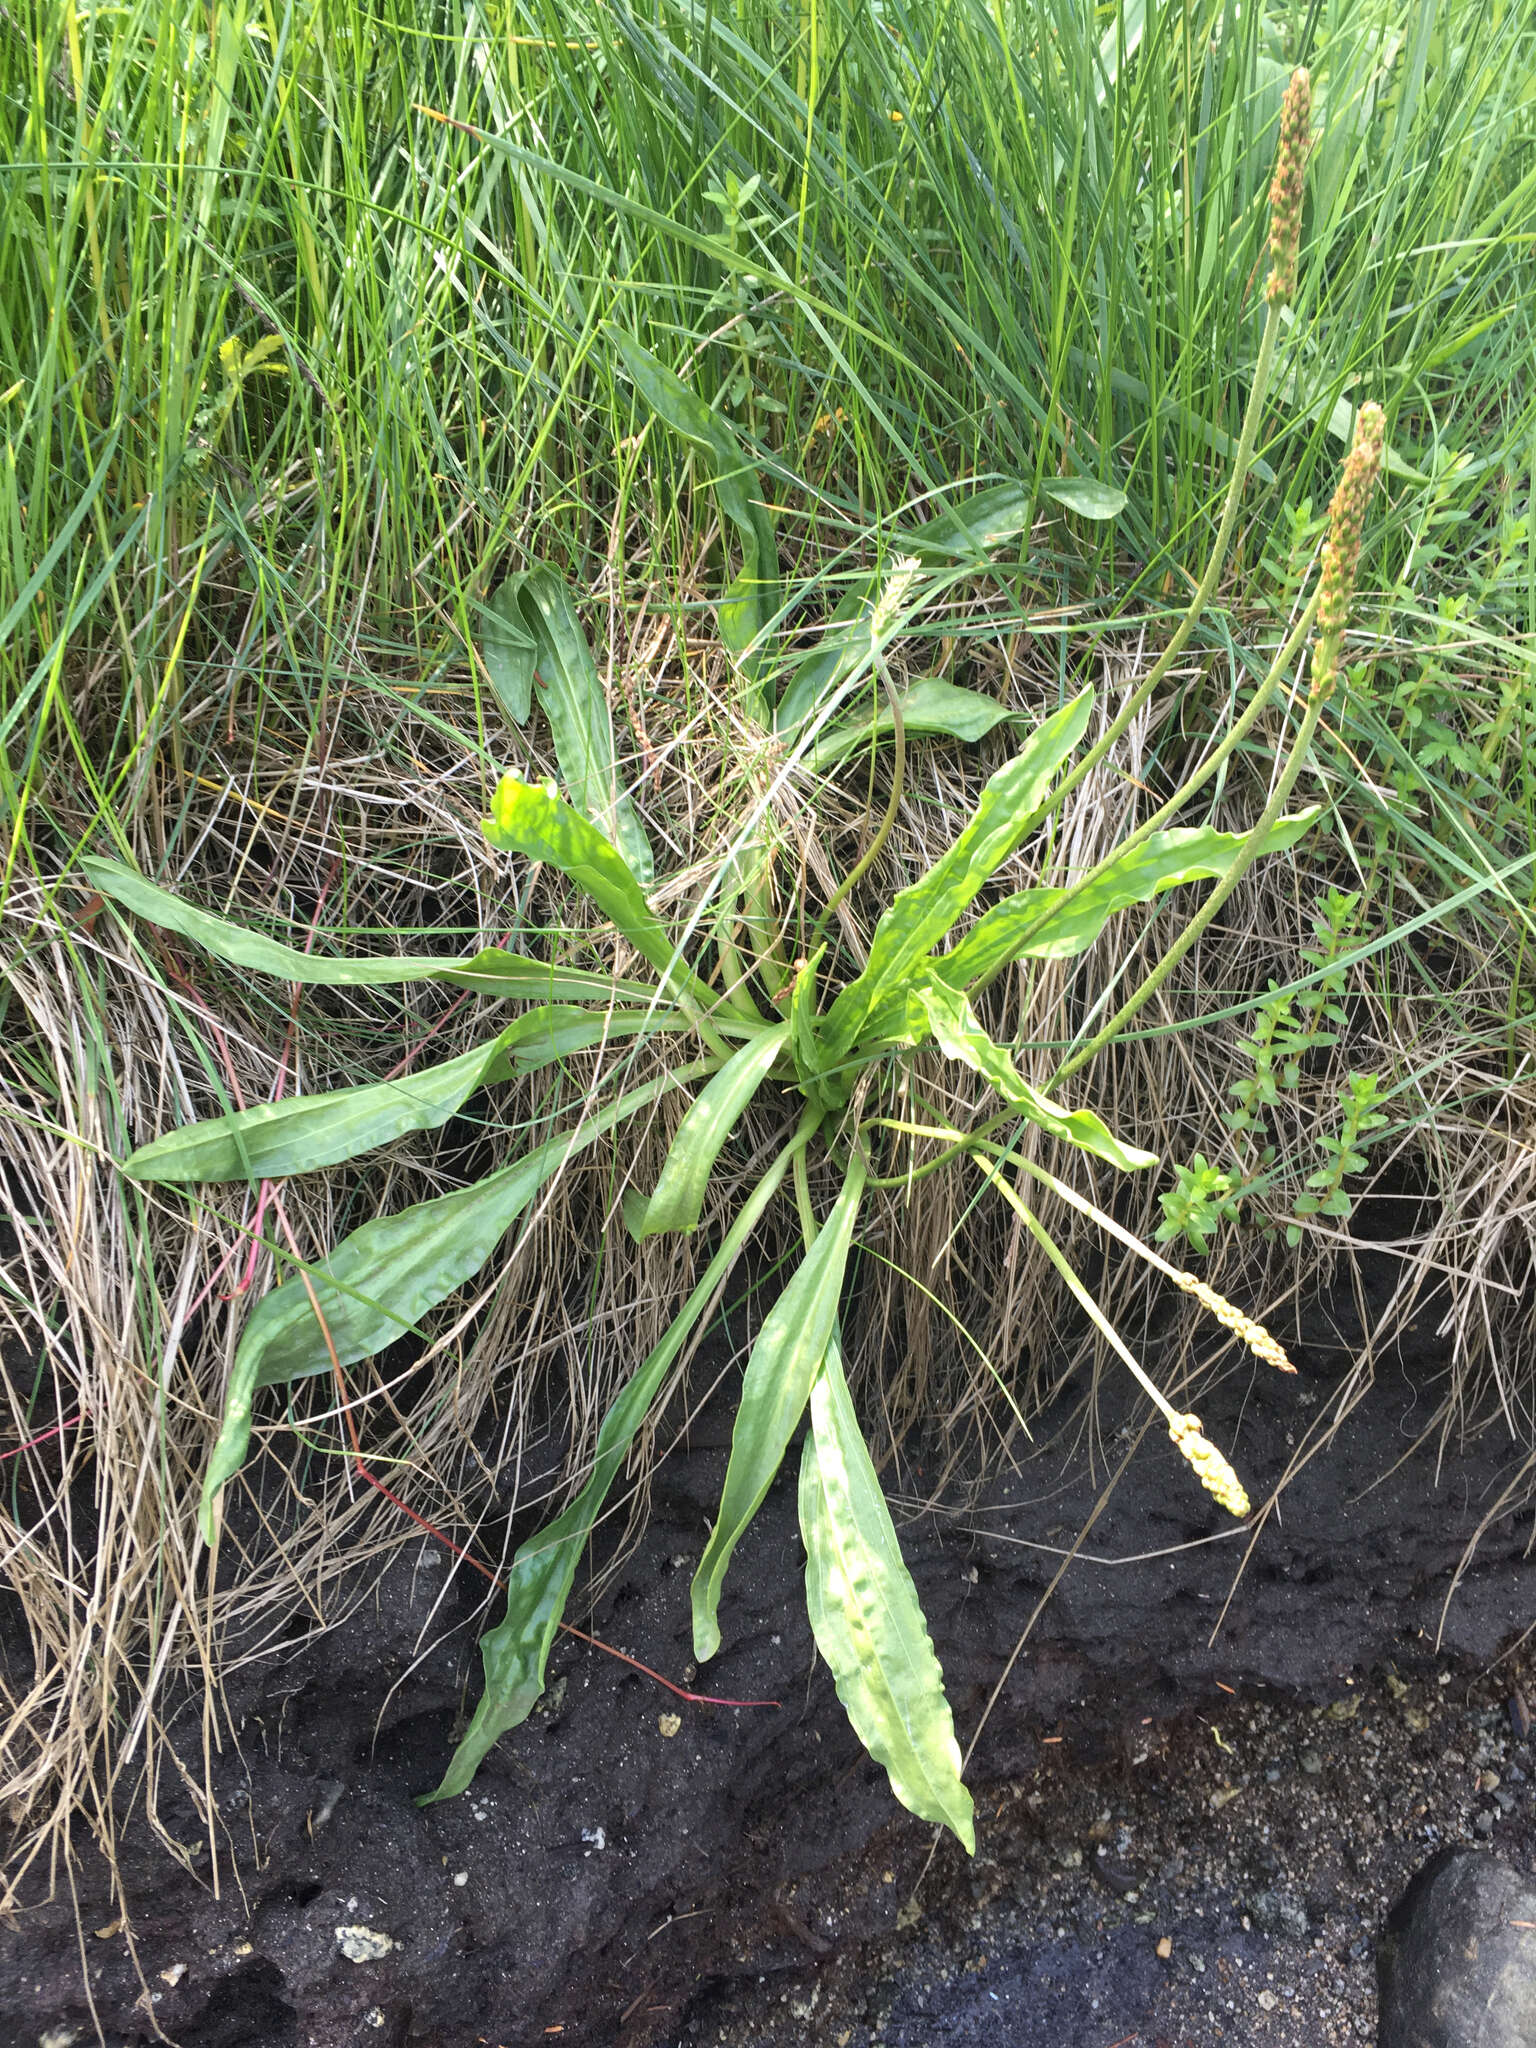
1220	1878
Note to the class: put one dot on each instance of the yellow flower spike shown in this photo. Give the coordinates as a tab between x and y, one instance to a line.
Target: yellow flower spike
1211	1468
1253	1334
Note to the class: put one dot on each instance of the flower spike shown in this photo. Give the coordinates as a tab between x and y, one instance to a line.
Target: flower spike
1286	190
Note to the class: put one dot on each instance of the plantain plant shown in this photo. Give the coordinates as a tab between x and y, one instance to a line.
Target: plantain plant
831	1047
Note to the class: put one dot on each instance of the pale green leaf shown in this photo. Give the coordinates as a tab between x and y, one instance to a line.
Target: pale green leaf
382	1279
493	971
507	648
274	1139
516	1651
962	533
867	1619
679	1198
842	644
959	1037
536	822
774	1389
920	915
1054	924
927	706
571	696
1086	496
967	529
802	1021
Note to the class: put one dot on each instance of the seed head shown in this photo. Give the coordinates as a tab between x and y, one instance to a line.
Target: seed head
1211	1468
1288	186
1341	550
1253	1334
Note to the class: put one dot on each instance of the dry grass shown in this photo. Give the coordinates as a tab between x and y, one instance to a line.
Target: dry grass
129	1302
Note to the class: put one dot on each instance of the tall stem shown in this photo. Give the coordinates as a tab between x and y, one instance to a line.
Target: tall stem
1206	588
1191	933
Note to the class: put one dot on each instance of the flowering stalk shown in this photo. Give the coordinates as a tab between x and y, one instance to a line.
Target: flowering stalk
1287	188
1341	556
1284	241
1341	550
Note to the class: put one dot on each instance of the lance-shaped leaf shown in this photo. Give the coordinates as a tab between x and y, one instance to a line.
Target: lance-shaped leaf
920	915
275	1139
959	1037
572	698
774	1389
866	1616
802	1022
752	598
536	822
927	706
1086	496
842	644
516	1651
684	1181
382	1279
1053	924
492	971
509	652
959	535
968	529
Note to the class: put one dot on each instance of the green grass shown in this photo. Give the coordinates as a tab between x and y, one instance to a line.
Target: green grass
902	244
986	241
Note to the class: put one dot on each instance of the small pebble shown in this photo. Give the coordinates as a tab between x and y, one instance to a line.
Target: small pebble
1311	1763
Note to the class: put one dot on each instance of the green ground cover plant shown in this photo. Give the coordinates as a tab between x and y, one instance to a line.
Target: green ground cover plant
324	389
839	1049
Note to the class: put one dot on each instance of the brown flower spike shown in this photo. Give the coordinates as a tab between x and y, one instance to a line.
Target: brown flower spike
1341	550
1287	187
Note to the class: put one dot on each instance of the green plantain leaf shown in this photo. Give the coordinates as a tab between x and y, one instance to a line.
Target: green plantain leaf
965	531
785	1359
927	706
752	599
841	645
919	916
802	1022
279	1138
960	1037
1086	496
684	1182
1052	924
382	1279
493	971
866	1616
539	824
509	652
959	535
572	698
516	1651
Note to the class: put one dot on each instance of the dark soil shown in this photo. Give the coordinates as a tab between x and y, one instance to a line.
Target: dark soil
1259	1767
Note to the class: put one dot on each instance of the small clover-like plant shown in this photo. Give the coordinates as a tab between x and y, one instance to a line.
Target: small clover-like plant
826	1041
